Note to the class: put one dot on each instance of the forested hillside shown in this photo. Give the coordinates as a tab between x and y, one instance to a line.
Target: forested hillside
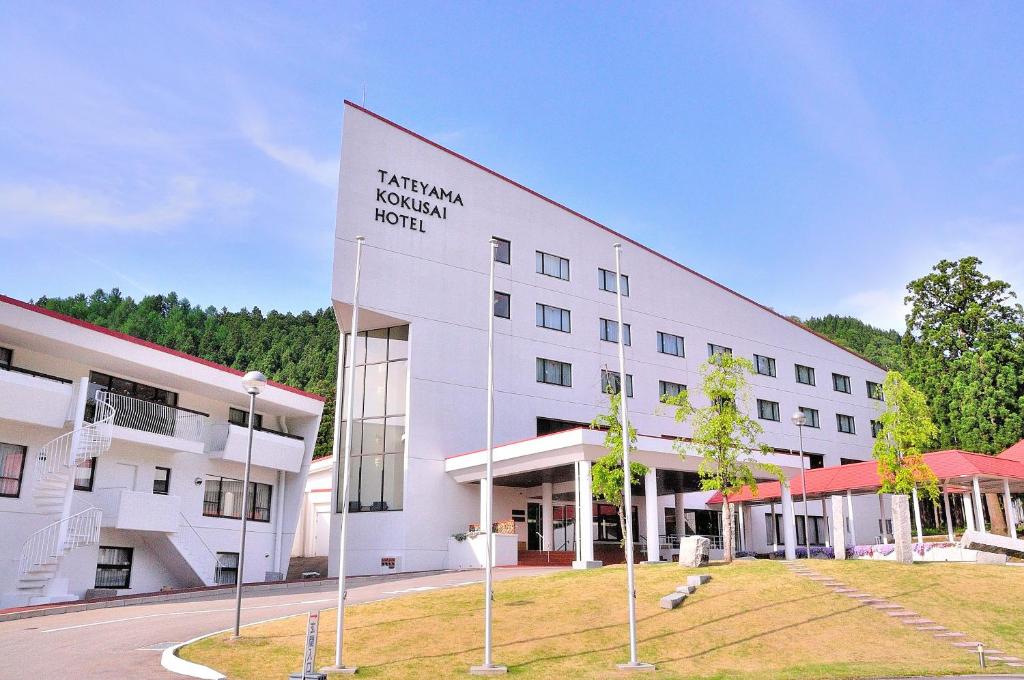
880	346
295	349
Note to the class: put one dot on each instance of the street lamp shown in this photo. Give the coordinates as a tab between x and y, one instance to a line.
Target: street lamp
253	382
799	419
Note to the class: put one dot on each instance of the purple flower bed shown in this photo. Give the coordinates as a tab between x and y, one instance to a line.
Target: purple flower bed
870	550
818	552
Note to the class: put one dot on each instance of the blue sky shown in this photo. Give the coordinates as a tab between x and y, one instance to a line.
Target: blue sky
815	156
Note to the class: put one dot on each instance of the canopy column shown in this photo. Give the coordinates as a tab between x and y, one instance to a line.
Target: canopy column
917	515
775	530
788	522
881	524
849	512
949	515
651	512
968	511
979	509
1011	521
547	516
742	536
680	515
584	518
824	520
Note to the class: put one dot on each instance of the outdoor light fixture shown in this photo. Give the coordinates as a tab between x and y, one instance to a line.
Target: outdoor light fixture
799	418
252	382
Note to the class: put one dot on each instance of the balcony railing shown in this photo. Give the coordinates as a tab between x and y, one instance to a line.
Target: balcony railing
37	374
148	416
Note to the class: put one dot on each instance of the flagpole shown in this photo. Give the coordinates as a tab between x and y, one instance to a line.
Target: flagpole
627	485
339	640
487	521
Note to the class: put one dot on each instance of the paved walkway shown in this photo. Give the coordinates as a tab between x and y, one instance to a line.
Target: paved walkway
126	642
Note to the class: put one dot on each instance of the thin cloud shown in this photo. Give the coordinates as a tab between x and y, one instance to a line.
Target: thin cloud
296	159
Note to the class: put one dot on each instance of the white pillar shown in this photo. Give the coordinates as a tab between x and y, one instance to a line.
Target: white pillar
743	527
547	517
853	522
949	515
651	513
969	512
775	527
881	514
917	515
680	515
788	522
584	518
1011	521
979	509
824	520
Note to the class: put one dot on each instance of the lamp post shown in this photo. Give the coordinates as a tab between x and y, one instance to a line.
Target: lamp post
253	382
799	419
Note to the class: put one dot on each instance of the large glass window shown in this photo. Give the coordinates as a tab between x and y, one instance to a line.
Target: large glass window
240	417
874	390
611	383
502	305
767	410
554	372
377	468
811	414
503	253
841	383
610	332
222	497
804	375
845	424
671	344
114	567
12	469
555	318
607	526
764	365
606	281
552	265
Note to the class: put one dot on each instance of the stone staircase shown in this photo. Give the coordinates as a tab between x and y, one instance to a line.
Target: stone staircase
543	558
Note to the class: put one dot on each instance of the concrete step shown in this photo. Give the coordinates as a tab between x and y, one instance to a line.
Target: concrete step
972	645
899	614
946	634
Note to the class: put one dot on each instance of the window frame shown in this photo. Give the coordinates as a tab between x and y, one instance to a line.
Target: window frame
810	369
250	516
662	392
875	393
607	324
92	474
563	265
604	381
564	318
876	428
773	410
110	566
507	297
564	368
677	339
166	481
508	250
6	363
20	479
714	349
602	281
242	420
845	379
220	569
771	365
839	423
812	415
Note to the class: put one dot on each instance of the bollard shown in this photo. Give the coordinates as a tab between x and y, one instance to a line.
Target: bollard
981	654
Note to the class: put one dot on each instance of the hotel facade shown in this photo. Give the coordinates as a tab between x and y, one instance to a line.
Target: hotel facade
427	215
121	464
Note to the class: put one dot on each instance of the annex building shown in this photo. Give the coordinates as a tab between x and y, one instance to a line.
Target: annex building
121	464
427	215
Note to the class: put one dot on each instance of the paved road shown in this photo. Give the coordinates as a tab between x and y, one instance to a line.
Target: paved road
126	642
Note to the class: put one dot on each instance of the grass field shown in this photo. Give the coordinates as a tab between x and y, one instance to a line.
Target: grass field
753	620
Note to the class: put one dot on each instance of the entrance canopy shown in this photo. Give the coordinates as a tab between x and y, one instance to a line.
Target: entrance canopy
955	469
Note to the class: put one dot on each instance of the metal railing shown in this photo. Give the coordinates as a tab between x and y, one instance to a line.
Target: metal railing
58	538
35	374
93	439
148	416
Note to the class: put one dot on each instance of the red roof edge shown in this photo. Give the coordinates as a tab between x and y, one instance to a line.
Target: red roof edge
607	229
146	343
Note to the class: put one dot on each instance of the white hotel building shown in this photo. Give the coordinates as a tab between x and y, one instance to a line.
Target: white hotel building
121	461
428	214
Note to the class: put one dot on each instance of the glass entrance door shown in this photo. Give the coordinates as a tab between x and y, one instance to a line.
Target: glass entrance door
534	512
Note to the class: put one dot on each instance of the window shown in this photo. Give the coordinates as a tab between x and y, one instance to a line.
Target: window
671	344
714	349
874	390
227	568
606	281
222	497
764	365
606	523
376	470
552	425
554	372
804	375
841	383
12	469
876	428
817	527
552	265
814	460
502	305
555	318
503	253
811	414
610	332
134	389
162	481
670	389
5	357
114	567
611	383
849	461
85	474
240	417
767	410
845	424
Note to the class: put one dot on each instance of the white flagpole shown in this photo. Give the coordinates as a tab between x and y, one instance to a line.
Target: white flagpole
487	520
339	640
627	491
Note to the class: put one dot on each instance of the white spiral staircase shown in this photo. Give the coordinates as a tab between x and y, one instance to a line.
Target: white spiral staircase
55	477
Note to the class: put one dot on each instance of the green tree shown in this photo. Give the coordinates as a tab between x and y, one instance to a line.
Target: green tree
878	345
907	428
727	439
607	473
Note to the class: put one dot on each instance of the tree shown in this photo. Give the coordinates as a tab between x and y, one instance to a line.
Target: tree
964	349
723	434
880	346
907	428
607	473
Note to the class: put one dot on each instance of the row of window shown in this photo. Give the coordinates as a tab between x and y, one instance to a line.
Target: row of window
557	267
769	410
114	567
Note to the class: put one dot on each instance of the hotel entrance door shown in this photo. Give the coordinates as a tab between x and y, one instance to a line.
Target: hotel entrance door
564	537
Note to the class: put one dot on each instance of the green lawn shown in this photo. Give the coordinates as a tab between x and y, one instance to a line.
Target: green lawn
753	620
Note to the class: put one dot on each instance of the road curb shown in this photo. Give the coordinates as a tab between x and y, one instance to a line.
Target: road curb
170	660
